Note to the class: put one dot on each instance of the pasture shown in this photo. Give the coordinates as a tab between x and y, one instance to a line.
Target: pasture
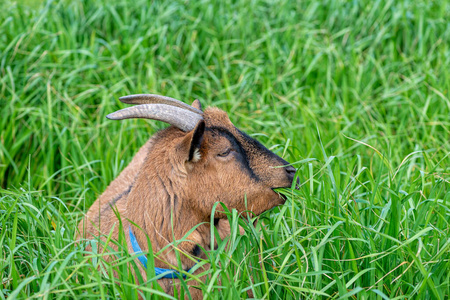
355	94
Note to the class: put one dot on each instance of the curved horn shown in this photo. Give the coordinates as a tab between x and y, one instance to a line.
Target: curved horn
157	99
178	117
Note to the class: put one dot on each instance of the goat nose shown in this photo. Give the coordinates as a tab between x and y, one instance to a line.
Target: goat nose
291	170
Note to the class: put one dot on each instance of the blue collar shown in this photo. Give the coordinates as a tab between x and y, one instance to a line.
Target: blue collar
167	273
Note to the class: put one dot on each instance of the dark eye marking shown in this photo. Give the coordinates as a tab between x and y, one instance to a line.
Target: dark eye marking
243	158
260	148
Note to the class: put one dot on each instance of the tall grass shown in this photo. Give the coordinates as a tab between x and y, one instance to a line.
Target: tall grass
355	94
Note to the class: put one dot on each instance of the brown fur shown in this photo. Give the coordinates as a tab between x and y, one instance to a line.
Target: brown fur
167	194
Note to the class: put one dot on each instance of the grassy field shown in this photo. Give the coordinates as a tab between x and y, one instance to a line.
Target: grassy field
354	93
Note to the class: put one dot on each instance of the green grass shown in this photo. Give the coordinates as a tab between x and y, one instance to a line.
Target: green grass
354	93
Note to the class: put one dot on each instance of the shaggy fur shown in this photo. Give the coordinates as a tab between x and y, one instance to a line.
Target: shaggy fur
181	176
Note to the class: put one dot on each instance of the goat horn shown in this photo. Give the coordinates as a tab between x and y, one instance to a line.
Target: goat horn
157	99
178	117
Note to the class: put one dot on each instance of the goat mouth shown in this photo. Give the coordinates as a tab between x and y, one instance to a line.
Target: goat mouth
288	187
280	195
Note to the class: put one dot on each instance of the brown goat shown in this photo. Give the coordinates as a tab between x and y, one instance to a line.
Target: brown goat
173	182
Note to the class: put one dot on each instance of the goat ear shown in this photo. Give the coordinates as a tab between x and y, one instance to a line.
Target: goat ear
196	104
193	141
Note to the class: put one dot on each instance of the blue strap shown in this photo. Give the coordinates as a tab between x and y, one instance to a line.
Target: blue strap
168	273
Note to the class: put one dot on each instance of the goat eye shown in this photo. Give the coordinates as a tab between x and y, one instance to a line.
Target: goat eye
225	153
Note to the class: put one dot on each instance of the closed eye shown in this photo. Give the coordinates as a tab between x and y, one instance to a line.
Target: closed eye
225	153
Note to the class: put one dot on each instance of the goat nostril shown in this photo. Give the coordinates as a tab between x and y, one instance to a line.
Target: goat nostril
291	170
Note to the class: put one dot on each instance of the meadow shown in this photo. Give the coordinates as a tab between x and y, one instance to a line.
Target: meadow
355	94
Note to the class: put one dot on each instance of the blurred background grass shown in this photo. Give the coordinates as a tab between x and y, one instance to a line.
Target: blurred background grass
354	93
